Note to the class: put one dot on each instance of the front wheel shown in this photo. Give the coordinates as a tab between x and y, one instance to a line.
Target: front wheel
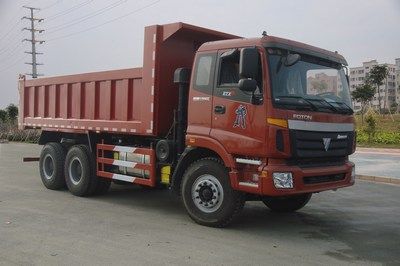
287	203
207	193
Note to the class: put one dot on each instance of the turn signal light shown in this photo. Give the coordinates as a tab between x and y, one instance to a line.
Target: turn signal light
277	122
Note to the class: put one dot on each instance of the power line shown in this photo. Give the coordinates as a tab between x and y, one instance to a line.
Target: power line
12	52
11	29
14	25
51	5
16	14
106	22
8	67
11	43
86	17
69	10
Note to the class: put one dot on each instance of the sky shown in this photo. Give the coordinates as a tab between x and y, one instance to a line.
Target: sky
360	30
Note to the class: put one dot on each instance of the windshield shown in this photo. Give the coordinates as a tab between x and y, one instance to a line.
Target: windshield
310	83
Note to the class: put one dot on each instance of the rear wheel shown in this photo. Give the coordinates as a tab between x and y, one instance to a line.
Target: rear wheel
207	194
287	203
51	166
80	173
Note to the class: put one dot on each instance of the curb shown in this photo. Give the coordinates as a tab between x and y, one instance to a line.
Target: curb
378	150
379	179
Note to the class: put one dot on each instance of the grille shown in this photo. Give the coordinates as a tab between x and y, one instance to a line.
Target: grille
310	144
317	162
323	179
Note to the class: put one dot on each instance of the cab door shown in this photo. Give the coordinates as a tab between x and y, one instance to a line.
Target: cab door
237	123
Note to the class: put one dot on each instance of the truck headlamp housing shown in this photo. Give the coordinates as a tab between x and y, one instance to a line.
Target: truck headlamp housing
283	180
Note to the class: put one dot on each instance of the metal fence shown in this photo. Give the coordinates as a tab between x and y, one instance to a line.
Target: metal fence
28	135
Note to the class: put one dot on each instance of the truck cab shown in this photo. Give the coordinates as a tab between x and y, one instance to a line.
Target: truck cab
278	114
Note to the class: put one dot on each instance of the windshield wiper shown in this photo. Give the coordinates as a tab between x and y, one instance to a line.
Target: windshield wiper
334	108
331	106
348	108
313	106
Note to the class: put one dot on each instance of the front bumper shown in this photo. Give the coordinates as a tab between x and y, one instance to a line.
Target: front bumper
265	184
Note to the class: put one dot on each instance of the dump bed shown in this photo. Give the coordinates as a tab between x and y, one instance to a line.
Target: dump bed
138	100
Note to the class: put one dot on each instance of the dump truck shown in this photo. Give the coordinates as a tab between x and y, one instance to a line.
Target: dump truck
216	118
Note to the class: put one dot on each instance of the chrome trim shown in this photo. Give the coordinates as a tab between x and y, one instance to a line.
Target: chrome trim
248	161
248	184
320	126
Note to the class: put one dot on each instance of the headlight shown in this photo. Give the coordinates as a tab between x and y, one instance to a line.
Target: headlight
353	174
283	180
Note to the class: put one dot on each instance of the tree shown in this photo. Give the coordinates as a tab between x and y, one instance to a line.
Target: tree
3	116
12	113
371	124
319	85
398	91
375	77
363	94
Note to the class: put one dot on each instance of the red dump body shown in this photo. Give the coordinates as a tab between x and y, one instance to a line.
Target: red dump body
138	100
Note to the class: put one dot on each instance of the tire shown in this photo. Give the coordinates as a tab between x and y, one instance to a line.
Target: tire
287	204
51	166
80	172
208	180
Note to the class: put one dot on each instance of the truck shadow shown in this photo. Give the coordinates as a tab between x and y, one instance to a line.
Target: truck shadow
136	197
315	222
255	217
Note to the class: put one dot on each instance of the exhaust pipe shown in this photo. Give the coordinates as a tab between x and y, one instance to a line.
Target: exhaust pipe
182	78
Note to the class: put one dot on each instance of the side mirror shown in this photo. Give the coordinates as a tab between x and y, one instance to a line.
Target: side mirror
249	85
248	65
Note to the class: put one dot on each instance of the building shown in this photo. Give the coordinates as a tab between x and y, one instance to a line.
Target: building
397	63
359	74
321	82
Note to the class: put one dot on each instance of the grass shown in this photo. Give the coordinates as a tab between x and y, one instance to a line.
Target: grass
387	132
384	123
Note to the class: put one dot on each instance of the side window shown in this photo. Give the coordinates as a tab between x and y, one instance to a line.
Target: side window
228	77
229	68
204	73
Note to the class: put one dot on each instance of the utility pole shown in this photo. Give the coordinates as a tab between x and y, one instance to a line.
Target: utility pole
33	40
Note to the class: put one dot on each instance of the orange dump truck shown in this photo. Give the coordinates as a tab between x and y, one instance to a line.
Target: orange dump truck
217	118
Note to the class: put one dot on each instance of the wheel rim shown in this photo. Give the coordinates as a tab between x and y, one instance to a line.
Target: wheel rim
48	166
75	170
207	193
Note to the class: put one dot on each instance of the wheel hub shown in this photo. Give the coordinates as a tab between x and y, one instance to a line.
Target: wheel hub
75	170
207	193
48	166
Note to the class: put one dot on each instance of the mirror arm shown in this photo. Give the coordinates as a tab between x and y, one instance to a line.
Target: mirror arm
257	99
347	74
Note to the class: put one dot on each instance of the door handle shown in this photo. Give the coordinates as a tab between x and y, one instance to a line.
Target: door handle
219	109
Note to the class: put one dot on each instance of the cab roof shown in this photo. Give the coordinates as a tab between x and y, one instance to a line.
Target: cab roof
274	42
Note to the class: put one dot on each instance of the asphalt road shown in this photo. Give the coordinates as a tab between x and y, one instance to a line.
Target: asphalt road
358	225
375	163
